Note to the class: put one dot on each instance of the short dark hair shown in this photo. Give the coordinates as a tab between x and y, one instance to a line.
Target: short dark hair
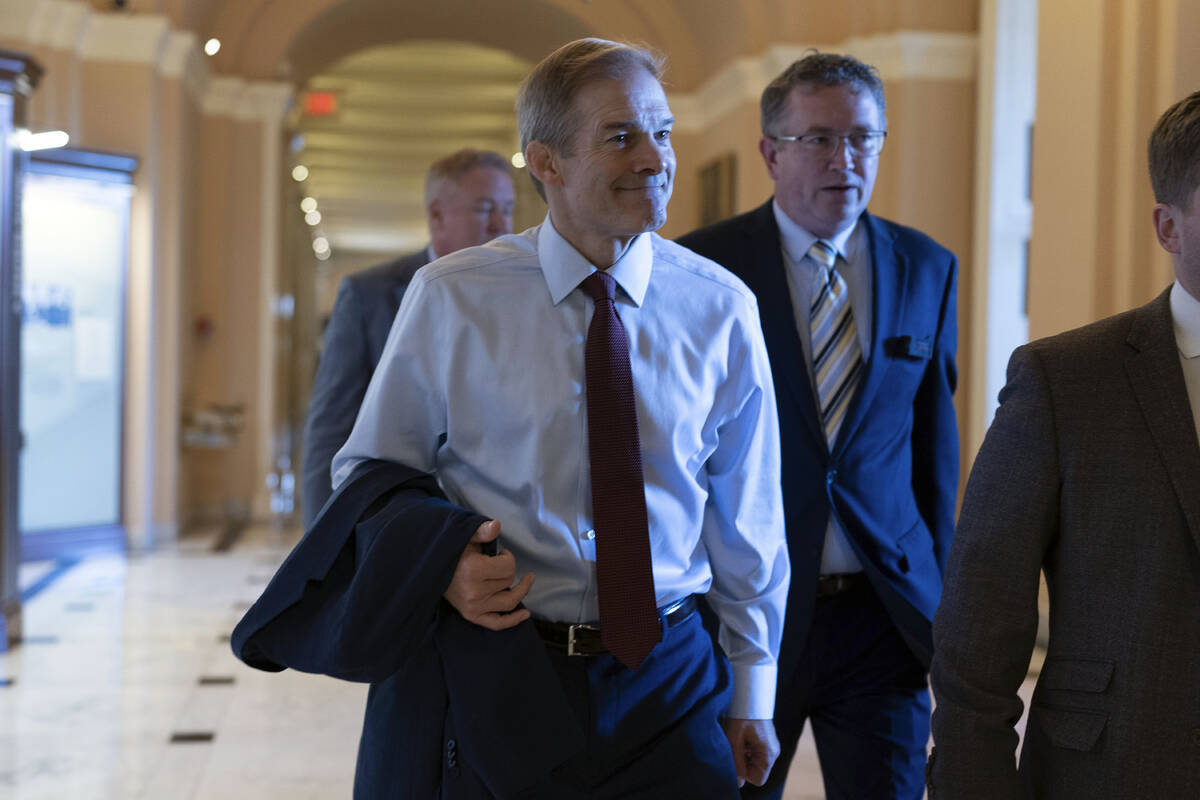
814	70
545	101
451	168
1174	153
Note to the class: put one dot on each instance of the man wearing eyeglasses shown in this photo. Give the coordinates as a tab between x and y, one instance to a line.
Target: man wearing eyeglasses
860	324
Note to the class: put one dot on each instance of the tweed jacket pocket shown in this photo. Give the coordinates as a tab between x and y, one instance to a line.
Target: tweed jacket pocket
1071	728
1065	684
1076	674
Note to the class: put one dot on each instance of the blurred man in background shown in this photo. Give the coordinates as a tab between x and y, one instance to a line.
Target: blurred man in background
468	201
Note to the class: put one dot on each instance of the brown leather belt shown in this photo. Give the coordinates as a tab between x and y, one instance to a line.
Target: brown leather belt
829	585
584	640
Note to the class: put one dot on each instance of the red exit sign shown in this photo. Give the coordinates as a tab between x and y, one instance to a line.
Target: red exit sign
320	104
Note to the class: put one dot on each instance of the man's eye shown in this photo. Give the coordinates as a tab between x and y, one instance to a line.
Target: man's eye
620	138
817	139
860	140
663	136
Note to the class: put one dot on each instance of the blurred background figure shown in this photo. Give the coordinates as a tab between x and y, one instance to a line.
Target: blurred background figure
468	201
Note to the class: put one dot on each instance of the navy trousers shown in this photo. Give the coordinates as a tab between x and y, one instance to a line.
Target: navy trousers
867	698
653	734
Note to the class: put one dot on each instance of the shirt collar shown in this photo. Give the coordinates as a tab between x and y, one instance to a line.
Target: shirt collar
1185	310
564	267
797	240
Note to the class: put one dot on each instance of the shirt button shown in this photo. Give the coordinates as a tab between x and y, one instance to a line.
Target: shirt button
589	534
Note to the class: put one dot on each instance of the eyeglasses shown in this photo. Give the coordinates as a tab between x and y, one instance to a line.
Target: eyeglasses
823	145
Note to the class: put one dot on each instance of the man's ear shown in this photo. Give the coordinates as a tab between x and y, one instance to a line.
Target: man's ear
769	149
543	164
434	215
1166	227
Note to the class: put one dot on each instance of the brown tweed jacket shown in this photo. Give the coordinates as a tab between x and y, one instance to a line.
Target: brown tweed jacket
1090	472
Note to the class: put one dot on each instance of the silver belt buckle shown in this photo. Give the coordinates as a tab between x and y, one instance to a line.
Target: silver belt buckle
571	637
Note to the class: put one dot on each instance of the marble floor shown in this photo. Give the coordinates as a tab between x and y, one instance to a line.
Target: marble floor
125	687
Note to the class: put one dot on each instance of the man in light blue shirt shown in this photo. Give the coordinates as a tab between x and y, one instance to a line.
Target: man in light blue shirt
482	383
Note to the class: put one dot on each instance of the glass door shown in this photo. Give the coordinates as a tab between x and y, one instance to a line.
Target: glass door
75	246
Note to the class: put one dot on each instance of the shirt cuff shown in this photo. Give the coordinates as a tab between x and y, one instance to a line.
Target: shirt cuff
753	691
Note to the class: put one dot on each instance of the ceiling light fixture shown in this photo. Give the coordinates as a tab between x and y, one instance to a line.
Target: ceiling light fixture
46	140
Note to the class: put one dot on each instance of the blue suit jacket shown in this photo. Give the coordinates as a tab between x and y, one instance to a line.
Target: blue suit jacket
454	710
892	475
362	316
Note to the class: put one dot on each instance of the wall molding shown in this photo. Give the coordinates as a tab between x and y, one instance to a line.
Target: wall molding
140	39
59	24
183	61
239	99
899	56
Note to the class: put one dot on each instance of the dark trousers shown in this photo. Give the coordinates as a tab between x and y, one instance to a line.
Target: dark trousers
867	698
653	734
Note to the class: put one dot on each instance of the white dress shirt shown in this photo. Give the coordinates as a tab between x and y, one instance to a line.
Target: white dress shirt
482	383
837	556
1185	311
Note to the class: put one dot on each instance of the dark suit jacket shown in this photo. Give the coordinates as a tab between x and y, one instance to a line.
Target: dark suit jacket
358	328
453	707
1091	472
892	475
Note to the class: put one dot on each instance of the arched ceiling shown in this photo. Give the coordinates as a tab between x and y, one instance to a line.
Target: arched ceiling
399	107
417	79
294	39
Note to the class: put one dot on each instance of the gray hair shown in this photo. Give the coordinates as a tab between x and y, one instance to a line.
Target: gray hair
1174	153
451	169
546	98
818	69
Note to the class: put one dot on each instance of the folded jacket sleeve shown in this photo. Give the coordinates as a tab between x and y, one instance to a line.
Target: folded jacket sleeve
363	589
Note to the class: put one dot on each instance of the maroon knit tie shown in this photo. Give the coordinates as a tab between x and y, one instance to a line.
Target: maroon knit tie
629	625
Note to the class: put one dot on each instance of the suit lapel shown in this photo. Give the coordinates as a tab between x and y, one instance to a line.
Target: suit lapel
402	273
764	273
1157	381
889	282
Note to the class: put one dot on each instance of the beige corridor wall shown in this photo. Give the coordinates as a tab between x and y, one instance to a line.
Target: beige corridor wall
1106	71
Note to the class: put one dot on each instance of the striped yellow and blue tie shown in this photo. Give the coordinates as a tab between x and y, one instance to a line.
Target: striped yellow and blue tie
837	356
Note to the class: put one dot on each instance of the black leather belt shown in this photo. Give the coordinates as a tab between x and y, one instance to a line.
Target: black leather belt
829	585
584	640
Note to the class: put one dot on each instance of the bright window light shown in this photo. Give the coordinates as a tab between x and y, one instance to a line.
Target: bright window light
45	140
299	173
313	218
308	204
212	47
518	160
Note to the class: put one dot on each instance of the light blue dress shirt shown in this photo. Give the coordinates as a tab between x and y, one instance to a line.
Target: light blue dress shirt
1185	313
837	556
482	383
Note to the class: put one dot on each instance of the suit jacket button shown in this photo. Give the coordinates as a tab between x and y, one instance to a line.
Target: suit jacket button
830	477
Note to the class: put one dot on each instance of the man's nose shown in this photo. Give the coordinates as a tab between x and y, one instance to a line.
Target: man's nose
650	156
843	157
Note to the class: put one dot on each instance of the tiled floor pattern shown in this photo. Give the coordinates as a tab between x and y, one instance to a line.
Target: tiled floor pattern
126	689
